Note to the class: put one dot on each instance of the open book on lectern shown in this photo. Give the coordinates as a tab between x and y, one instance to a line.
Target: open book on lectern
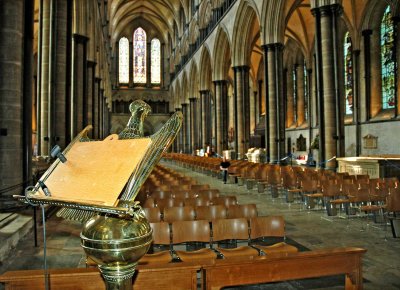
102	176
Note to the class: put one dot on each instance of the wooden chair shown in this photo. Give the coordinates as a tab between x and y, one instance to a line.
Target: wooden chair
182	194
179	213
269	227
161	237
168	202
153	214
242	211
211	212
161	194
393	210
198	187
208	193
226	201
149	203
232	229
195	202
190	232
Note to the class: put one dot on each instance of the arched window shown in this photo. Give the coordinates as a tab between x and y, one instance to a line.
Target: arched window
294	76
305	91
155	61
387	60
139	56
348	73
123	60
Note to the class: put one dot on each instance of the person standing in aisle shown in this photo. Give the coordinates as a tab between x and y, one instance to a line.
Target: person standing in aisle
224	167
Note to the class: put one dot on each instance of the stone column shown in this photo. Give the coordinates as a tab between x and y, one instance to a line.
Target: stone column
179	144
276	102
367	71
290	97
300	95
218	117
356	99
44	79
224	113
91	67
130	64
11	96
242	95
96	115
206	118
253	117
79	89
265	100
193	124
329	68
185	129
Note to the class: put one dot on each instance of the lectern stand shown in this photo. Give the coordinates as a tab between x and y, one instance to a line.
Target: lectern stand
98	184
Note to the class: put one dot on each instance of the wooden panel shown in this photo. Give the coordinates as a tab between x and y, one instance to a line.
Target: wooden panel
293	266
171	277
96	172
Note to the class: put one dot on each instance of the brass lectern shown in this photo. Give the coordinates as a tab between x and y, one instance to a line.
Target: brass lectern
97	182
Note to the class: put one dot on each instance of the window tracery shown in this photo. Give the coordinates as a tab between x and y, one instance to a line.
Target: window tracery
123	60
139	56
348	73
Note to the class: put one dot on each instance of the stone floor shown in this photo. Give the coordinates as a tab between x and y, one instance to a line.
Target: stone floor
312	229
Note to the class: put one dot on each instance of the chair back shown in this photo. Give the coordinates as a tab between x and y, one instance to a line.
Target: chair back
267	226
211	212
190	231
179	213
230	229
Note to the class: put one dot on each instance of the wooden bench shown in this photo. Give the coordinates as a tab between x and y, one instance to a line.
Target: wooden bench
167	277
318	263
216	274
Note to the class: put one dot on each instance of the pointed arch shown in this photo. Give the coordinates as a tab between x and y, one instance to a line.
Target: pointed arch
273	21
194	81
245	21
205	69
222	57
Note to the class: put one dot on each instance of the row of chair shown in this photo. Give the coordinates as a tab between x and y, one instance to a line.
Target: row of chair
217	239
173	202
182	194
209	213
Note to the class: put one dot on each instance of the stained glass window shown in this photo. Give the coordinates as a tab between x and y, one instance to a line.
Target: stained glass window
123	60
348	73
139	56
305	91
294	74
155	61
387	60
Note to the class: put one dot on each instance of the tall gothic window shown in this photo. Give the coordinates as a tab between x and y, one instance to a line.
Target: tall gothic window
139	56
123	60
348	73
294	75
387	60
155	61
305	91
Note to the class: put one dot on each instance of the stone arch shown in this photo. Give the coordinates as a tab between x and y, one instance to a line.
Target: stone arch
242	36
273	21
194	81
223	54
184	89
205	69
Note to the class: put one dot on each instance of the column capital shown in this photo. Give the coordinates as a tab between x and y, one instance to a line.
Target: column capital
177	109
273	46
220	82
241	68
184	105
79	38
193	99
204	91
366	32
